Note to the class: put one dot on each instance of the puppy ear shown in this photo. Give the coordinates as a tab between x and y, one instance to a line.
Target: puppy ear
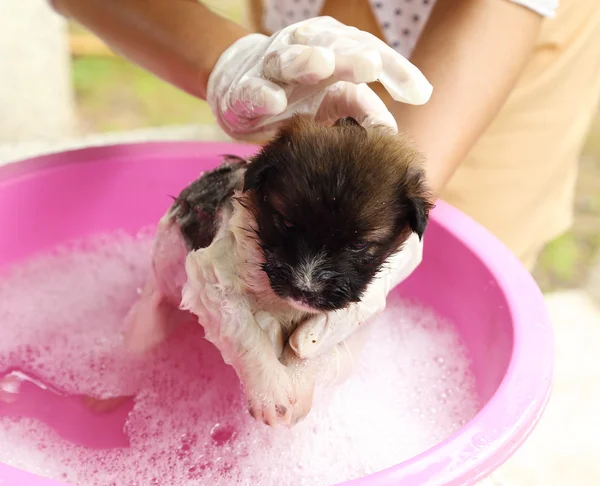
418	214
257	172
419	200
347	122
262	164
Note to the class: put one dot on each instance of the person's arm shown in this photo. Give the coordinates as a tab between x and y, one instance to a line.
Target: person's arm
177	40
472	52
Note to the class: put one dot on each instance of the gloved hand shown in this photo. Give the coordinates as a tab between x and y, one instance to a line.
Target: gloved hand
324	332
319	67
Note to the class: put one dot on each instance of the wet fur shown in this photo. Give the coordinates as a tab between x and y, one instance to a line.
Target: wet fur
196	208
302	228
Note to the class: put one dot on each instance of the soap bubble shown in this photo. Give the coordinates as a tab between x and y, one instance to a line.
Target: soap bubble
62	320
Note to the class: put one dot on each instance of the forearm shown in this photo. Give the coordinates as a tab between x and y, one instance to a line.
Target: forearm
177	40
472	52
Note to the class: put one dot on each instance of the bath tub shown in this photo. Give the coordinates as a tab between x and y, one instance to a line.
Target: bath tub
467	275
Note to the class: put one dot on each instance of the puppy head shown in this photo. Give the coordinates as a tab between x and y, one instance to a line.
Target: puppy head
331	204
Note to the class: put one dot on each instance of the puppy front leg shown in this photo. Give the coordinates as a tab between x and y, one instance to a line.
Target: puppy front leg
268	386
250	351
303	373
330	368
212	292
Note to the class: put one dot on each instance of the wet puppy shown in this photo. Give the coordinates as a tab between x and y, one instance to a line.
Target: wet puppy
255	248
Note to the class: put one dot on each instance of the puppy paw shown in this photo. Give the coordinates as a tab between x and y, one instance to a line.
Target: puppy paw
304	401
271	397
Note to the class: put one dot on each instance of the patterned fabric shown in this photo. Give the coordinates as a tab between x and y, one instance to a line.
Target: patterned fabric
401	21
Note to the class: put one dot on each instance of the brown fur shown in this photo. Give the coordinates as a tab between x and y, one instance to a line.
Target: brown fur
350	194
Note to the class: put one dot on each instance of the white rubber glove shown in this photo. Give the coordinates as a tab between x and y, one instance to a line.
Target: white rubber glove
319	67
324	332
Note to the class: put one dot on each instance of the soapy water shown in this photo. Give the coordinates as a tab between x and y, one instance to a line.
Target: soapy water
61	338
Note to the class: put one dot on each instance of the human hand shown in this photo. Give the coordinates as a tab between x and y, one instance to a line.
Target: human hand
319	67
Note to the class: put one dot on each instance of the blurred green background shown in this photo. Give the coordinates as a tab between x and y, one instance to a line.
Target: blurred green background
114	95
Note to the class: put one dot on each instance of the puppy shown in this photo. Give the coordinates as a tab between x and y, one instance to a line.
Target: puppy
255	248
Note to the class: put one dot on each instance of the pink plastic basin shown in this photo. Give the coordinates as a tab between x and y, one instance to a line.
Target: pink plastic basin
466	275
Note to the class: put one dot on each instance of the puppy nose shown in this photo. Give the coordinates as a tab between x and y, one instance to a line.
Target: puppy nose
305	283
302	294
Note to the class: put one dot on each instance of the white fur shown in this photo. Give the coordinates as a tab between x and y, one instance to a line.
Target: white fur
304	274
225	287
215	294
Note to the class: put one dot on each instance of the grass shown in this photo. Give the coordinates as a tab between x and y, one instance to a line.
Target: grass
113	94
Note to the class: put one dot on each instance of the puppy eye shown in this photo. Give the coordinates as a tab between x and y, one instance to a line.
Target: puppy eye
283	222
359	246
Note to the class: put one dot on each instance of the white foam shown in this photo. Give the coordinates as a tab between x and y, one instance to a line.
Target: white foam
62	317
